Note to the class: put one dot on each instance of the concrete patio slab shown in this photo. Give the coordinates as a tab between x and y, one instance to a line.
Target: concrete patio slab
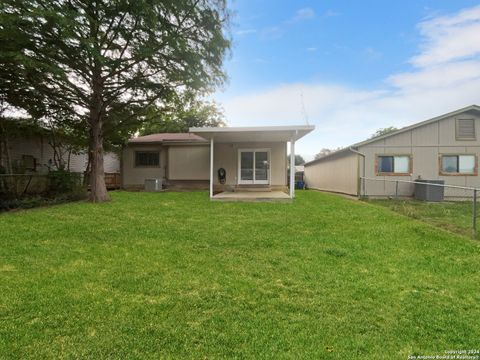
251	196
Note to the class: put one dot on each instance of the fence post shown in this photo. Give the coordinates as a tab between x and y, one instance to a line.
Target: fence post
474	215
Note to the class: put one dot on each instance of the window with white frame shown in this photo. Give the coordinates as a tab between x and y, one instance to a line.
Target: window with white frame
393	164
458	164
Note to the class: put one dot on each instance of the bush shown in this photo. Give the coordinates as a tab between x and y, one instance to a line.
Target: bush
29	202
61	186
63	182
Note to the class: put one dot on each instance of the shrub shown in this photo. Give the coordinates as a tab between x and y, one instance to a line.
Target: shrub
61	186
64	182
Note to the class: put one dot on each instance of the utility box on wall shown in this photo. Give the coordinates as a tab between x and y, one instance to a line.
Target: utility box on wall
153	184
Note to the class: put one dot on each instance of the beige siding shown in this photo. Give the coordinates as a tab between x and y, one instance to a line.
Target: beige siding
226	156
425	144
135	176
338	175
189	163
192	162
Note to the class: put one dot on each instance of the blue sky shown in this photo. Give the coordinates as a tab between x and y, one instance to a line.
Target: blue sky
359	65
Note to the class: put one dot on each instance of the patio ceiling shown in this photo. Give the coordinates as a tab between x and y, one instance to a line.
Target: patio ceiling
253	134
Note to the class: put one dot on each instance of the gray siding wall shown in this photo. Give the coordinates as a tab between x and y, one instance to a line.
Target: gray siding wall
338	174
425	145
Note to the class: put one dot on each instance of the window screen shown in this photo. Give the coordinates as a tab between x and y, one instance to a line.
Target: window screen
394	164
458	164
465	129
29	162
147	158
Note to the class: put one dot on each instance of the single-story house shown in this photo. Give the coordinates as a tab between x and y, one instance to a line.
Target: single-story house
446	148
225	160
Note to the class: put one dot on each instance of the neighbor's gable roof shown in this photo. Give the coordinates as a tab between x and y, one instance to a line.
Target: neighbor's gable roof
393	133
166	138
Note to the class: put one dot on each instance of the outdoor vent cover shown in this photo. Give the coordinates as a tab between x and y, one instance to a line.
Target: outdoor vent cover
465	129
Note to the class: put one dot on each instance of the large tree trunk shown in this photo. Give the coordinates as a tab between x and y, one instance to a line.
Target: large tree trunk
98	190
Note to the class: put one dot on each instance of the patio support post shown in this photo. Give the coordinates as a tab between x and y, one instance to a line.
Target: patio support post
211	167
292	167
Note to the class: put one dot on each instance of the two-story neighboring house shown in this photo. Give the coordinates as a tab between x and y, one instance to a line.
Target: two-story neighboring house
446	148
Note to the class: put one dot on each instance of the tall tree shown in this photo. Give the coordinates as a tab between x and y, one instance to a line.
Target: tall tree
104	63
383	131
299	160
325	152
182	115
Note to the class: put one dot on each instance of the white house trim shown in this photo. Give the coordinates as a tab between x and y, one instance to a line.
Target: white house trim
211	167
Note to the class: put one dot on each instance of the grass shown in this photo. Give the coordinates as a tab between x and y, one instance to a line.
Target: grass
452	216
173	275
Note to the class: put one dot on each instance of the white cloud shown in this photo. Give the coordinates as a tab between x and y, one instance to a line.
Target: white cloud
331	13
273	32
448	38
372	54
303	14
445	76
276	32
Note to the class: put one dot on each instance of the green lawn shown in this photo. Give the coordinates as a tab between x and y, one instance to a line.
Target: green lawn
173	275
452	216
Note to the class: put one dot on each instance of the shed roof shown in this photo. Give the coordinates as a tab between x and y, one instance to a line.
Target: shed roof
471	108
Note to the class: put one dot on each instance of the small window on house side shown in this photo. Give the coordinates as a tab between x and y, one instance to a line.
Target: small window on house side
465	129
147	158
393	164
458	164
29	162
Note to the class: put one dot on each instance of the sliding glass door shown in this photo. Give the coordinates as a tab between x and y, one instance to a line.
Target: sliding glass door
254	166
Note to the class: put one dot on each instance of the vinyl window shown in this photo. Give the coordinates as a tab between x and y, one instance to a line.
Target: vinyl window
458	164
393	164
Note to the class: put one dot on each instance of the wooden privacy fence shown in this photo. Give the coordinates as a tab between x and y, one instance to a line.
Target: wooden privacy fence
112	180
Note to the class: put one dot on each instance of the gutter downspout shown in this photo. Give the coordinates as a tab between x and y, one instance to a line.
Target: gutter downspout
363	168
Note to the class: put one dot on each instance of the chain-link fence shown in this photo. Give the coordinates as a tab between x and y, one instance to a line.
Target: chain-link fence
18	185
450	206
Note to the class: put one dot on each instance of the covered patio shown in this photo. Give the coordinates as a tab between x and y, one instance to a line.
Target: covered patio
250	163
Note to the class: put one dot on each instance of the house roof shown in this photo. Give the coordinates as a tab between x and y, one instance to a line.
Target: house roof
471	108
166	138
253	133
